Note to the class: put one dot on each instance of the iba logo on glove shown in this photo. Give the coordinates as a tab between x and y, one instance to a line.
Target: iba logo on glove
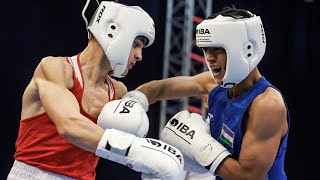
127	104
182	128
167	147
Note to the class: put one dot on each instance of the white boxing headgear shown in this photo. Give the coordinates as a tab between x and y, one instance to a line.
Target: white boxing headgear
242	36
115	26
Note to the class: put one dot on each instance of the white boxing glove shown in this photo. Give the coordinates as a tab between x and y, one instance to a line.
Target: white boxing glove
126	115
192	165
190	133
151	157
148	177
139	97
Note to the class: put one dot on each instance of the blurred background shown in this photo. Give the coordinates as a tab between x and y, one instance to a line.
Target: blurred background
34	29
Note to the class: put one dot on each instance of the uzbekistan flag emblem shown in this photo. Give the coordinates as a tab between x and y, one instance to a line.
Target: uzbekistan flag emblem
227	135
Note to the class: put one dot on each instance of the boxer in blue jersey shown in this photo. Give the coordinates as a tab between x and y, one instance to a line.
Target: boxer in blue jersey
246	133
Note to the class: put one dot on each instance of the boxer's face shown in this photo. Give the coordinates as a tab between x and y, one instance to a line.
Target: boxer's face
217	59
135	53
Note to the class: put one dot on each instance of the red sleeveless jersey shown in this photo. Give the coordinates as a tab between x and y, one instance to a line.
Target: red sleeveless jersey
39	144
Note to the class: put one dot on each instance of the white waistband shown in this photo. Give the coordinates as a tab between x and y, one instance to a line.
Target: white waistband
23	171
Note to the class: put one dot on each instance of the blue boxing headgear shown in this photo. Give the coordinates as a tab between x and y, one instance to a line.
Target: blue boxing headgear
242	36
115	26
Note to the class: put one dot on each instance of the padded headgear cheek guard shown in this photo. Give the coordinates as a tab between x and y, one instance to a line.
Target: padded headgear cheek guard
115	26
243	40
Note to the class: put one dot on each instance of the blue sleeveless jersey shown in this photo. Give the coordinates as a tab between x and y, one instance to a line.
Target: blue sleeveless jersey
226	119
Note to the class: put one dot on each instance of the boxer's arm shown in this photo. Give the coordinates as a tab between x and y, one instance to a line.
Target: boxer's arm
149	156
53	81
267	124
178	87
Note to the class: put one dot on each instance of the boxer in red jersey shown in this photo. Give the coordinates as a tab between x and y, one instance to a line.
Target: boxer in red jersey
59	137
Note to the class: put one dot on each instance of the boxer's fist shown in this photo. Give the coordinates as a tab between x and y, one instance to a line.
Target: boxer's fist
126	115
138	97
183	129
190	133
153	158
